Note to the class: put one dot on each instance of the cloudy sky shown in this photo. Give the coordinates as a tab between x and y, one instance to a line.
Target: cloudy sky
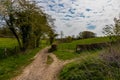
74	16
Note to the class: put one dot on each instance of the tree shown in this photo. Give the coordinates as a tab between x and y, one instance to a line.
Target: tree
18	19
7	13
26	21
51	35
86	34
40	27
113	31
68	39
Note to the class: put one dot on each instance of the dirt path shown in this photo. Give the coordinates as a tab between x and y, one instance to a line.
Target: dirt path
39	70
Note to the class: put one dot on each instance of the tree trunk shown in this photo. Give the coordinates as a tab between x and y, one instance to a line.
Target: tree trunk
12	29
16	36
25	33
37	42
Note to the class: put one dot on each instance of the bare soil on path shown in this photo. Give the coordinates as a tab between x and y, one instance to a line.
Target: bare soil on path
40	70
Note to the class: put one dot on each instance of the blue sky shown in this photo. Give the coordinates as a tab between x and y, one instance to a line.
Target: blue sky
74	16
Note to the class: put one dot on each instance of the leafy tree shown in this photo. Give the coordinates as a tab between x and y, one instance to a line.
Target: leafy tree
86	34
41	27
52	35
7	13
113	31
68	39
26	21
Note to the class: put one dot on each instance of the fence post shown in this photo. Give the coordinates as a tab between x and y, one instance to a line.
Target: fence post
5	51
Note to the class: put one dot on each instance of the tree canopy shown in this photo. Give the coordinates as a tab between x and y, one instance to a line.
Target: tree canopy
113	30
25	20
86	34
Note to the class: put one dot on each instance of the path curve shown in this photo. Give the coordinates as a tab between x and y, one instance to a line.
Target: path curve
40	70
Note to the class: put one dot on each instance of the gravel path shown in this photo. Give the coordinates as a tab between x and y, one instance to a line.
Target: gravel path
40	70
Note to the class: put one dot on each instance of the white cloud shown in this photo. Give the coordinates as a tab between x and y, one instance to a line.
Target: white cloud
72	16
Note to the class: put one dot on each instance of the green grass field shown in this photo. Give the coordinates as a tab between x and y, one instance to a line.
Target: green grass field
8	42
89	64
12	65
67	50
72	45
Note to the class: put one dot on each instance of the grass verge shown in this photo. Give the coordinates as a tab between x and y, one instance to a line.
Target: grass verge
13	65
67	55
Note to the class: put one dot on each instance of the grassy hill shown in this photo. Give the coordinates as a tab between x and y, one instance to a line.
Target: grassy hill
103	64
72	45
67	50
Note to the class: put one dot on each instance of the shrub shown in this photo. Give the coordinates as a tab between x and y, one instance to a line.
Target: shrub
53	48
105	66
86	34
111	56
94	46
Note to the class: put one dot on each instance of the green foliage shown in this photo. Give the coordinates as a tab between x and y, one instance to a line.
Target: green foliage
95	67
27	22
32	24
12	65
91	67
113	31
67	39
86	34
112	56
52	35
